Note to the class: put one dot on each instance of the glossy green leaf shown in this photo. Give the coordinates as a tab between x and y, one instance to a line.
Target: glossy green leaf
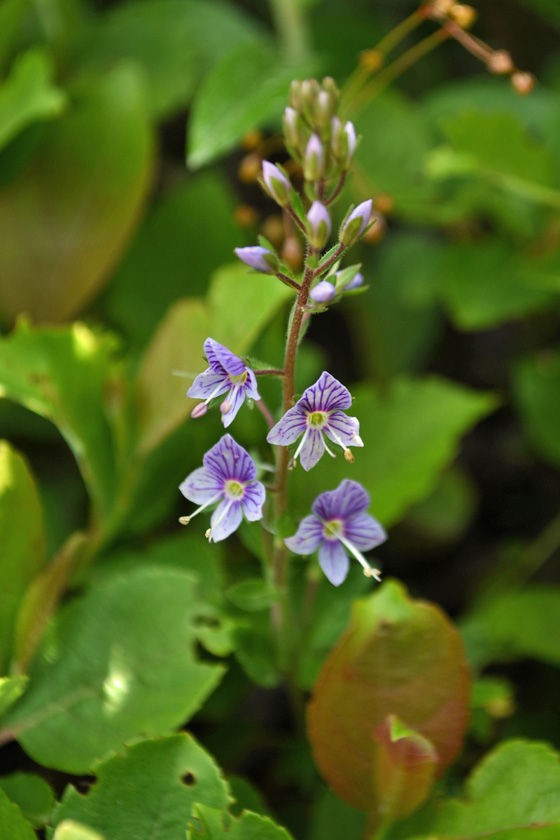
63	374
72	830
256	827
173	42
13	824
485	283
28	95
252	594
23	541
92	169
398	657
188	234
537	392
243	91
411	431
33	795
239	305
148	789
493	631
117	663
511	795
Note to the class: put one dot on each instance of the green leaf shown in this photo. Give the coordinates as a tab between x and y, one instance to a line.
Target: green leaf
12	822
252	594
71	830
332	819
523	623
92	169
148	789
179	247
28	95
63	374
33	795
243	91
23	542
173	42
398	657
118	663
256	827
11	689
537	392
240	303
486	283
514	788
11	15
411	431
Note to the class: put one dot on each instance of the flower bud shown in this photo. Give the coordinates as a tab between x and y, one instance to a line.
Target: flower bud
523	83
350	133
356	223
355	282
319	225
500	62
259	258
323	292
314	159
276	183
292	124
325	106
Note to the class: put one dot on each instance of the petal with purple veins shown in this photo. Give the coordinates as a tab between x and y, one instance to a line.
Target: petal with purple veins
343	429
228	460
225	520
253	500
218	355
333	561
327	394
209	384
312	449
308	536
363	531
349	499
201	486
251	385
233	402
288	428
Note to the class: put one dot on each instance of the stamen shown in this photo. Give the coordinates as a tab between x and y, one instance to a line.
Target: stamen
184	520
301	444
327	448
348	456
369	571
199	411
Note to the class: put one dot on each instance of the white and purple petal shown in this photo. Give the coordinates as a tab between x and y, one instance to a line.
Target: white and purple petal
327	394
308	536
343	429
289	427
201	486
210	383
253	500
333	561
232	403
250	386
349	499
228	460
363	531
225	520
219	357
312	449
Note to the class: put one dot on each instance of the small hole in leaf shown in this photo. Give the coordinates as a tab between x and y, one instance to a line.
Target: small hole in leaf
188	779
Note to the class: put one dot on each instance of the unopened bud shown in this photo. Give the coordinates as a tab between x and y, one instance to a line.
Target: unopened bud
355	282
259	258
350	132
500	62
276	183
199	411
314	159
323	292
319	225
292	126
325	106
523	83
356	223
464	16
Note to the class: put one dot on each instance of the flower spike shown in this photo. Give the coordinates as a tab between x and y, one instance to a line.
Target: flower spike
339	524
228	375
319	414
228	477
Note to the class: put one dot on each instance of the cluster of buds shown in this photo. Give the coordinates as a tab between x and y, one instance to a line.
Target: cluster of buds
315	136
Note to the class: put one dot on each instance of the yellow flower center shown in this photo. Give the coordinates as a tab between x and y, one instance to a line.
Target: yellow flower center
317	419
333	529
234	489
240	379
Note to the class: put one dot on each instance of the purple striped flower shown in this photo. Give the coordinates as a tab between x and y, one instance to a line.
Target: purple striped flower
229	478
319	414
339	525
227	374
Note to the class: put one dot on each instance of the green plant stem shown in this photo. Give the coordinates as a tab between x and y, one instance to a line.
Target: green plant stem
291	26
397	68
280	609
